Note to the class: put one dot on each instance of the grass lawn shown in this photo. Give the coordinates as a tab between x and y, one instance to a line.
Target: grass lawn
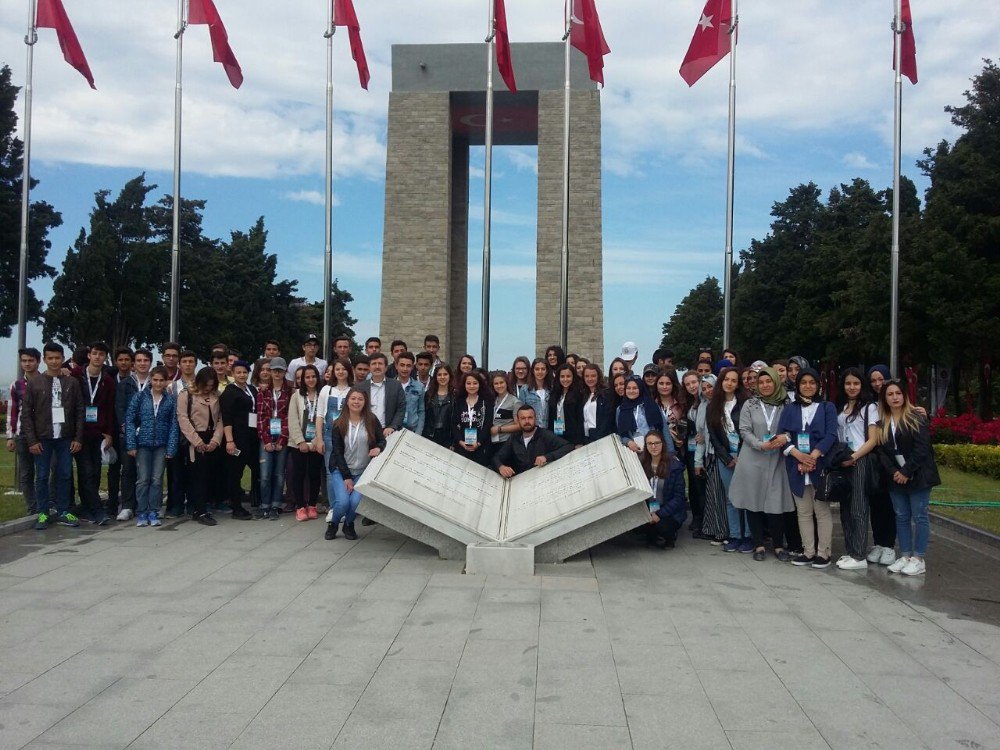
960	487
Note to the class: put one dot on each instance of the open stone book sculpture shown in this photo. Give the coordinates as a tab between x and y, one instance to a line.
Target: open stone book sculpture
467	511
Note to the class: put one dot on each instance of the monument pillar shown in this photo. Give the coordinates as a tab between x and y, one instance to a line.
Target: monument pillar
586	305
425	276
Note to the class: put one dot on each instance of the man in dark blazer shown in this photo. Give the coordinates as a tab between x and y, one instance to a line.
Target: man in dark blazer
388	402
534	446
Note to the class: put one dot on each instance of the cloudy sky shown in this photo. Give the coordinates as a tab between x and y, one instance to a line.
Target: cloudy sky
814	103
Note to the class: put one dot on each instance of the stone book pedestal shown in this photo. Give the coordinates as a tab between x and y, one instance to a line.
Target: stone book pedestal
466	511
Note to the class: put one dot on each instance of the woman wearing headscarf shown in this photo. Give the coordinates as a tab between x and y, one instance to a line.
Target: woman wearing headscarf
882	515
809	428
760	483
637	415
715	523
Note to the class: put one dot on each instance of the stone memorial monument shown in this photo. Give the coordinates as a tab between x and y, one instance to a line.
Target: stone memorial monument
467	511
437	111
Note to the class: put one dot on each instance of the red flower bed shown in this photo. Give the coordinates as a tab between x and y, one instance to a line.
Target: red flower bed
967	428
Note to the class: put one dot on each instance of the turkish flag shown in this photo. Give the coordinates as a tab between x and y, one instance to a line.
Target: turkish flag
52	15
204	12
588	37
344	15
907	45
711	41
504	61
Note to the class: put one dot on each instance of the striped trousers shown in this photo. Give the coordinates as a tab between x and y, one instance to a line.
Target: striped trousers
855	511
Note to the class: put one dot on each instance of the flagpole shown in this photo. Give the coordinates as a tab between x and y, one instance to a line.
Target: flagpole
488	192
727	285
175	255
897	28
328	201
564	267
22	281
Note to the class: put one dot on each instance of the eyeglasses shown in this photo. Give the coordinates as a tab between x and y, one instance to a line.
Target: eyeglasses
653	443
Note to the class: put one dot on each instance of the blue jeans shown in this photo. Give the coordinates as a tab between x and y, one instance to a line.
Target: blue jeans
272	477
738	528
344	505
911	508
149	478
57	449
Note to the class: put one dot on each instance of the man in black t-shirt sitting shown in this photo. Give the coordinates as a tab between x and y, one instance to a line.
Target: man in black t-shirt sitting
534	446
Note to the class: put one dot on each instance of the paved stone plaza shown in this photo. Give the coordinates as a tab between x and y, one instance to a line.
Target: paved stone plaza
263	635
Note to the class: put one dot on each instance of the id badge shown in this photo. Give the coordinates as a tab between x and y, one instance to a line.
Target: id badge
766	439
90	416
471	436
734	443
336	408
58	415
654	506
559	426
852	443
802	442
900	460
252	421
275	426
692	444
310	431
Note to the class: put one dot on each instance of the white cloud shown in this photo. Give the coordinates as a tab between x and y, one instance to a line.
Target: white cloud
857	160
315	197
805	66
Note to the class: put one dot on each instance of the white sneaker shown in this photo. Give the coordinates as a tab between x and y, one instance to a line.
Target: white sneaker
842	558
888	556
329	516
914	567
899	564
125	515
849	563
875	554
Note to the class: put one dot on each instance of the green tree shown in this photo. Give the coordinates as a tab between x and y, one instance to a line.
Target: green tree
696	322
341	322
112	281
770	270
41	217
962	235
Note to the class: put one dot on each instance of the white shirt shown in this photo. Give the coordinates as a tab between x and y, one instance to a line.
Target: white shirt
378	401
590	415
298	362
855	431
57	403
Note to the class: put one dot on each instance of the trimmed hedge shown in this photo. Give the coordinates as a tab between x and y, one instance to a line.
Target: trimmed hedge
975	459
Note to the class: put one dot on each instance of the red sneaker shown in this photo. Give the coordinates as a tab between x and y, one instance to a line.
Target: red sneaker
300	515
311	511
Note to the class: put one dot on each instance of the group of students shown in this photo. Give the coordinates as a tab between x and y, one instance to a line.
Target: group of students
757	452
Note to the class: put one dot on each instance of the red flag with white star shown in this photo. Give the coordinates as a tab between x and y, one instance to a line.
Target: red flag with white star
504	62
711	41
588	37
344	15
205	12
907	45
52	15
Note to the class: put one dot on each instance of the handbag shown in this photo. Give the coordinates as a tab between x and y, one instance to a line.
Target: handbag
835	486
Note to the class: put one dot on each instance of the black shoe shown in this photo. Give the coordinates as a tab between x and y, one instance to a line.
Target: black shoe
759	555
260	514
273	514
801	560
783	556
350	533
366	522
331	531
821	562
240	513
205	519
